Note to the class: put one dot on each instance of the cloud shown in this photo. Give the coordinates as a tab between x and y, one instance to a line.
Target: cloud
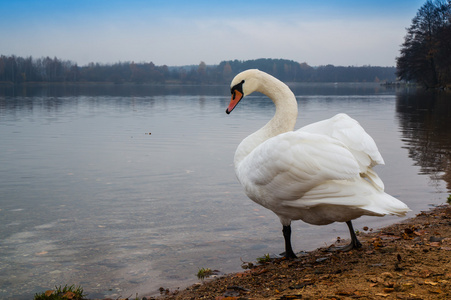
314	34
335	42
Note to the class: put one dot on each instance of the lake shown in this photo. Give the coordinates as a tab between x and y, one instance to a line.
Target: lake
123	189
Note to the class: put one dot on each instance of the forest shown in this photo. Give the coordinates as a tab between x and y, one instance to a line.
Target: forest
425	55
20	70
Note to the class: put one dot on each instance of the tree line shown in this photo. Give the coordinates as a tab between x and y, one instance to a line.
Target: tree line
14	69
425	55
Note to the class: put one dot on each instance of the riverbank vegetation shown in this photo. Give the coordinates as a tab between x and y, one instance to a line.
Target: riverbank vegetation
425	55
18	70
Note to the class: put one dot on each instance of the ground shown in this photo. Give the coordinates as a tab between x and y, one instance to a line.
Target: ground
408	260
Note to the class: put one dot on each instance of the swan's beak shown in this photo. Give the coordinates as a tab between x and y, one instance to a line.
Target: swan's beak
236	97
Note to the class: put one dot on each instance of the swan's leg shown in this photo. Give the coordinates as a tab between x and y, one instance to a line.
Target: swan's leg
354	241
355	244
289	253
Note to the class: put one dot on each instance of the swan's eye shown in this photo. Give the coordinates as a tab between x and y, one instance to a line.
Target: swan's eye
238	87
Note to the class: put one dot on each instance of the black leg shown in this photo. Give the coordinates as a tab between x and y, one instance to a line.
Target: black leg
354	241
289	253
355	244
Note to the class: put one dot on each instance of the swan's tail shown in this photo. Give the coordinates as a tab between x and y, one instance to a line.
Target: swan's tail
349	199
386	204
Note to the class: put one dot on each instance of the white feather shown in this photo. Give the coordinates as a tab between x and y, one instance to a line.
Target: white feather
321	173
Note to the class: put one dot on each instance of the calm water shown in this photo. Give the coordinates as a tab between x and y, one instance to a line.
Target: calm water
126	189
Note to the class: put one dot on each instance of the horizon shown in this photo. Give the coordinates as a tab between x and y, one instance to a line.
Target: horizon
191	65
177	33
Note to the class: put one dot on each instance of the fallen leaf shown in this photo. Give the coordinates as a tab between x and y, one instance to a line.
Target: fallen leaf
42	253
387	274
389	284
329	283
69	295
259	272
430	282
382	295
48	293
294	297
391	237
408	231
243	274
408	285
436	291
406	236
345	292
425	273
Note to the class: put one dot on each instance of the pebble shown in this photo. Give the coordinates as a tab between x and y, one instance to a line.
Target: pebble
435	239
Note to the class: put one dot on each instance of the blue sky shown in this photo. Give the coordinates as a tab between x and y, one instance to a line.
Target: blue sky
186	32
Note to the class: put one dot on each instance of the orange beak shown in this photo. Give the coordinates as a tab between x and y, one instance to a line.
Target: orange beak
236	97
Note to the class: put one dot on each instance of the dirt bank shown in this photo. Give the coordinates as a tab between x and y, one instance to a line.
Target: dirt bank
408	260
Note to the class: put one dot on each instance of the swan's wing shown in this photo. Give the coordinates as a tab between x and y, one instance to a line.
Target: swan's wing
349	132
289	165
361	144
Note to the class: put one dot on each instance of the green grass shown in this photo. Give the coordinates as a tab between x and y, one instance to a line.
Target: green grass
204	272
62	293
264	259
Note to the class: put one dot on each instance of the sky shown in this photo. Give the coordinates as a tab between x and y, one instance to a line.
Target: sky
186	32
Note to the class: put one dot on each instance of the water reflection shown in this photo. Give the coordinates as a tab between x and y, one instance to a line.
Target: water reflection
143	90
425	122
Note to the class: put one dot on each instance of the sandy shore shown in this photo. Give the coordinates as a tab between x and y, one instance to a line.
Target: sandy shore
407	260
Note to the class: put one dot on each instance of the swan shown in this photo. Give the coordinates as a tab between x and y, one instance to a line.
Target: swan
320	174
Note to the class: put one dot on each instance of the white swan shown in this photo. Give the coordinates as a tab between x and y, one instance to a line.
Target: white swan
321	173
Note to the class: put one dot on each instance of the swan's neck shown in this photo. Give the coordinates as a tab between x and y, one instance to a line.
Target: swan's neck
283	121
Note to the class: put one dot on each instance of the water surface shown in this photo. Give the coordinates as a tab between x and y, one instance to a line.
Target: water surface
124	189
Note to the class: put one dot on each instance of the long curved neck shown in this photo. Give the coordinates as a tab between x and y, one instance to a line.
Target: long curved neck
284	118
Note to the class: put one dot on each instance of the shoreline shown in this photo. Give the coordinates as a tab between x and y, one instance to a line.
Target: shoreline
406	260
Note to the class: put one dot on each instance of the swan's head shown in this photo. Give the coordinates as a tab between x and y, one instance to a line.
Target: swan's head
245	83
